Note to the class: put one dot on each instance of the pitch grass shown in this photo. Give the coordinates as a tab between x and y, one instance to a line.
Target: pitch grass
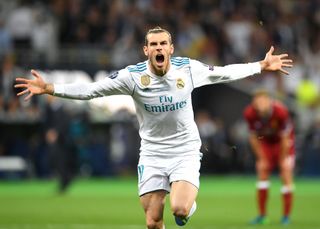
223	203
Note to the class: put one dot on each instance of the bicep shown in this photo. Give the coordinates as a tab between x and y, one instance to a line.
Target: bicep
204	74
113	85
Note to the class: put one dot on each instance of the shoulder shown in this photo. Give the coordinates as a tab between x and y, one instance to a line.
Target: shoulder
280	109
279	105
139	67
196	64
249	112
180	61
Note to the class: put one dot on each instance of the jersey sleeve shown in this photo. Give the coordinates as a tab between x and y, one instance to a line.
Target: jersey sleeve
117	83
203	74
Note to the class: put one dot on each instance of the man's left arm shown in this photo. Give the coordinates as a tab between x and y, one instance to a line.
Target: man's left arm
286	128
203	74
284	145
275	62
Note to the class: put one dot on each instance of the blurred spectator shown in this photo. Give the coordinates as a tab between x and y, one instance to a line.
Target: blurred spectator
11	109
60	145
311	160
5	41
242	155
217	155
307	97
239	31
20	24
124	51
191	37
8	100
259	40
44	36
307	93
207	129
310	53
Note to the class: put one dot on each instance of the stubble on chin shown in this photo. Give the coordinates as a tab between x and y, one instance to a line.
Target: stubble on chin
163	72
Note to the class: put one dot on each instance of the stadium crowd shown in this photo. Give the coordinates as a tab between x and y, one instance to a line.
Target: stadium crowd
102	34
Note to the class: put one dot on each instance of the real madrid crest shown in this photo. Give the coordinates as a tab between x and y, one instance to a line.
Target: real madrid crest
145	80
180	83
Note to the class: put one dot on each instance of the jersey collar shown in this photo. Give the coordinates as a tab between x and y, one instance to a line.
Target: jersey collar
149	72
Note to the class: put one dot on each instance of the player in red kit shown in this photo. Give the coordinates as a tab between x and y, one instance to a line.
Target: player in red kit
272	141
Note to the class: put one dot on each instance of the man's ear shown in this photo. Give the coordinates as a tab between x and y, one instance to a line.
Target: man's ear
145	50
171	49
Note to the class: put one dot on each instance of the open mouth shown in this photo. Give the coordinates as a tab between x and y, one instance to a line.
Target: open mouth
160	58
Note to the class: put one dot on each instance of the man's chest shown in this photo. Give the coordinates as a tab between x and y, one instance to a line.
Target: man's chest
267	127
171	93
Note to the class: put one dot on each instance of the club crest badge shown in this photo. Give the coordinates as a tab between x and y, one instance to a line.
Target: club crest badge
145	80
180	83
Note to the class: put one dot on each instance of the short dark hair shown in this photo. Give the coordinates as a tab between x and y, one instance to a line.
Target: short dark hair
157	29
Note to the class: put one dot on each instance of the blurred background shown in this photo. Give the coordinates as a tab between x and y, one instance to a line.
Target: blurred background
82	40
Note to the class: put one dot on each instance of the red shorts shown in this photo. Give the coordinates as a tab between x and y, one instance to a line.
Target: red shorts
272	151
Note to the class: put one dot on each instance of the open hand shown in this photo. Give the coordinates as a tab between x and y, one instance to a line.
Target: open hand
276	62
35	86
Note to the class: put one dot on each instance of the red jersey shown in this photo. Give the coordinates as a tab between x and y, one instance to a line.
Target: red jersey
269	128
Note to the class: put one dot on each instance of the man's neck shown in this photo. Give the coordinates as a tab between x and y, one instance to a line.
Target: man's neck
160	72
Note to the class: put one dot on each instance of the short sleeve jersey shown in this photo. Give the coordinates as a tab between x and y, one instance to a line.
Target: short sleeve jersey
163	103
271	128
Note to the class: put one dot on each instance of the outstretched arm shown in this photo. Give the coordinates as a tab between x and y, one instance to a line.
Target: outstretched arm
121	83
275	62
204	74
36	86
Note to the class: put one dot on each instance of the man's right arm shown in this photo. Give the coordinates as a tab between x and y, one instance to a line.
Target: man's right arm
119	83
255	145
49	89
253	136
35	86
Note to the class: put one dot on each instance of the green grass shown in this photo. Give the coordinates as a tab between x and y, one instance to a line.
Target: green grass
223	203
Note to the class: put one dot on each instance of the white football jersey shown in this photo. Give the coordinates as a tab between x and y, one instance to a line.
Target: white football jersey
163	103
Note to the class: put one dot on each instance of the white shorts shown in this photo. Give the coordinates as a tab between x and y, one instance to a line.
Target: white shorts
157	173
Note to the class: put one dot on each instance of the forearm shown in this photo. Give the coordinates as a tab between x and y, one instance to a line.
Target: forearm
76	91
237	71
255	145
284	146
